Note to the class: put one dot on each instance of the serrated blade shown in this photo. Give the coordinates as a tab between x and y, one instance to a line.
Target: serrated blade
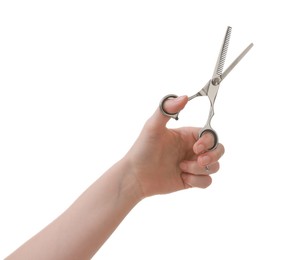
222	54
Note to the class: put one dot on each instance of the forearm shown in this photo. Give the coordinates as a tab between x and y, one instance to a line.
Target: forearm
84	227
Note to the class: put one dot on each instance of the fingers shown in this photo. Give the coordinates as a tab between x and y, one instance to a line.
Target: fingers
194	168
206	156
210	157
199	164
199	181
196	172
204	143
171	105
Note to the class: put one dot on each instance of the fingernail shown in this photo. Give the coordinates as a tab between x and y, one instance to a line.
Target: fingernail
178	99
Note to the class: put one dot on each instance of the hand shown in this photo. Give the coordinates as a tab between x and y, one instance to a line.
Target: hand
161	161
167	160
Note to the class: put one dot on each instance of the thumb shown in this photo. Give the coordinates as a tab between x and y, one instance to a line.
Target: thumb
172	106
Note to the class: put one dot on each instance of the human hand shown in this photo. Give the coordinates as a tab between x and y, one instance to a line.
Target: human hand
167	160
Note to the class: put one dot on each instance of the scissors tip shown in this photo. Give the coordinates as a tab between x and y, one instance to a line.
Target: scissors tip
249	47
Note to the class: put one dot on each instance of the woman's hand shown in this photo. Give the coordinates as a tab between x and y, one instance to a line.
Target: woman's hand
161	161
167	160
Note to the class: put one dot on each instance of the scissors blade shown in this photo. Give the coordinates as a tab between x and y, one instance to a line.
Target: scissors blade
222	54
236	61
219	65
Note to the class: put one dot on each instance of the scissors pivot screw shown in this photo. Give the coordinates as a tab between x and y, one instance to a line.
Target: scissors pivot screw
216	81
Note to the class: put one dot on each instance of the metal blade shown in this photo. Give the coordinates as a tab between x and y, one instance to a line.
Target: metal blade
222	55
236	61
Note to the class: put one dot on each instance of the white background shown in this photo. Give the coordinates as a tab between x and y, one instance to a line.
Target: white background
78	79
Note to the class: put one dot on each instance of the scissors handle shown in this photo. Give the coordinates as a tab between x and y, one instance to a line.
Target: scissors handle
206	129
164	112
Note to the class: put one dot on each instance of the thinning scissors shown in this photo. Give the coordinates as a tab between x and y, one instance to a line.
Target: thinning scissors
211	88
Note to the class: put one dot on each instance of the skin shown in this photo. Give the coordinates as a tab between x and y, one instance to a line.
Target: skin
160	161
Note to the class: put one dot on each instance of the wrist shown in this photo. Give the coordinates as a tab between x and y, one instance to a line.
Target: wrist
130	187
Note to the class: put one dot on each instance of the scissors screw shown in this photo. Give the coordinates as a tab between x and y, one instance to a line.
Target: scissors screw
216	81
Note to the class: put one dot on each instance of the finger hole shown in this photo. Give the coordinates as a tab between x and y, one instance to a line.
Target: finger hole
206	142
162	106
210	138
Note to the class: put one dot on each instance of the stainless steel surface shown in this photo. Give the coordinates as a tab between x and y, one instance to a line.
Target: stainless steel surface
236	61
222	54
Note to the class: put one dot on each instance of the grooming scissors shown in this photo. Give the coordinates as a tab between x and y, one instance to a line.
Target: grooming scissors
211	88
